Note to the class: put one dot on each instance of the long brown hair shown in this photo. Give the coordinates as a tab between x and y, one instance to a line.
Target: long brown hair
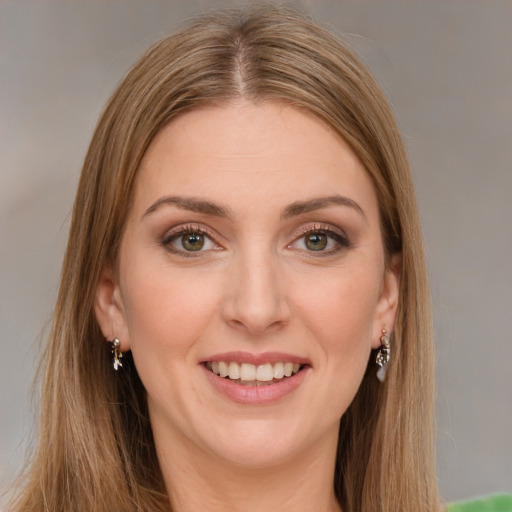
95	450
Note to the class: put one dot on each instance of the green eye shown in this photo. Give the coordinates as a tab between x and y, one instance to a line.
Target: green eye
189	240
321	240
192	241
316	241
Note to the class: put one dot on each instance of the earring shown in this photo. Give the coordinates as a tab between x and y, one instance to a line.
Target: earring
116	353
383	355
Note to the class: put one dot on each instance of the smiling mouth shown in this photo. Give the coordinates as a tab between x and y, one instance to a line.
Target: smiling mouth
247	374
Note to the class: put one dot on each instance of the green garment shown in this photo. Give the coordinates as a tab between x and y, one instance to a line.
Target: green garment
495	503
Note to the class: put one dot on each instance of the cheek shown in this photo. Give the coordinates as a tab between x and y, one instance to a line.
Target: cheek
339	310
167	310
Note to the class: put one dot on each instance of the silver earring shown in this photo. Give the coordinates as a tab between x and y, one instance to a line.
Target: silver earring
383	355
116	353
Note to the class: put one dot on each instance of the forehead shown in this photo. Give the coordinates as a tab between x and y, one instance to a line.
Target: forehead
251	154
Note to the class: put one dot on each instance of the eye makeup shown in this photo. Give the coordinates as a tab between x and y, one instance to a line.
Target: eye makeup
316	240
190	240
320	240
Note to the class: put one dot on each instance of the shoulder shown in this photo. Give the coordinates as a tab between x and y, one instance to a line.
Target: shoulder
494	503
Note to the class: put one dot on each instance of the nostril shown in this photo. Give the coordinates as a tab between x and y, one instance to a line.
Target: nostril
256	327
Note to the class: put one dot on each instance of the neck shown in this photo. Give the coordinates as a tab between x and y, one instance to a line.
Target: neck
197	481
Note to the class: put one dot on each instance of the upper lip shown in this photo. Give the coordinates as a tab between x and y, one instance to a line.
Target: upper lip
257	359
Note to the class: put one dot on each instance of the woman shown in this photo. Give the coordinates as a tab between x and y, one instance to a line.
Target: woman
245	244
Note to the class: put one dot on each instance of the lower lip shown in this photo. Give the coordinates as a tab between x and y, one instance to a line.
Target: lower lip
256	395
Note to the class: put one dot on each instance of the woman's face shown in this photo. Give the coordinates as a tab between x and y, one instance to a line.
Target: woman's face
252	248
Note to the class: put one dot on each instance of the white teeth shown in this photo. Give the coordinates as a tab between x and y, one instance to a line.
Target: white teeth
249	372
223	369
234	371
265	372
278	370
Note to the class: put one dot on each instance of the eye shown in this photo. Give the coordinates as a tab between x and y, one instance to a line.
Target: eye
316	241
189	240
320	240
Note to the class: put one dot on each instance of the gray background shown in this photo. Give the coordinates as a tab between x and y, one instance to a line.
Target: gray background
447	68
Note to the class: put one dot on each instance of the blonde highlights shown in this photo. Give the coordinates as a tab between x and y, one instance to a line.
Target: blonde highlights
96	450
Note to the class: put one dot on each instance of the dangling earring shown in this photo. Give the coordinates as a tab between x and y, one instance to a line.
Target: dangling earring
116	353
383	355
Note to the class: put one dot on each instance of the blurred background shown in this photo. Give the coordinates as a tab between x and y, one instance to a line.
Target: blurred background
446	67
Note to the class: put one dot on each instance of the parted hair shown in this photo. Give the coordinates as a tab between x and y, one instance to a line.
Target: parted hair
95	449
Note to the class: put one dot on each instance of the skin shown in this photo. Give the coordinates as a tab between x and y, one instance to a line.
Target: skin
256	286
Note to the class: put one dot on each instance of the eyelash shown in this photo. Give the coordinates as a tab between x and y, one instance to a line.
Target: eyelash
340	240
181	231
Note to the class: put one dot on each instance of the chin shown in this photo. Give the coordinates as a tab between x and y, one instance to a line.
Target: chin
265	443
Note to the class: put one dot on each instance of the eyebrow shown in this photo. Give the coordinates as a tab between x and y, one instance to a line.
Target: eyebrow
198	205
192	204
318	203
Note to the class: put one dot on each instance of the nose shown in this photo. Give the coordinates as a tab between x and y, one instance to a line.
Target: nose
255	299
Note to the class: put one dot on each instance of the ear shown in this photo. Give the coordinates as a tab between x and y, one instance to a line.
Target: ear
109	309
387	304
